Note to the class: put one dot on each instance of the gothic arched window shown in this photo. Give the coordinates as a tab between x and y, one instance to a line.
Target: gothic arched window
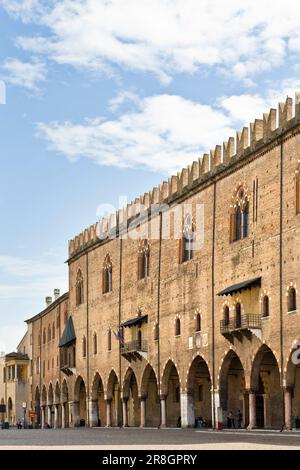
265	306
226	315
187	240
79	288
107	275
177	327
239	217
95	344
198	322
143	259
238	315
109	340
292	299
84	347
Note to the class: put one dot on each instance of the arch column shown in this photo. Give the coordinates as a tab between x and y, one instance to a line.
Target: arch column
42	417
163	423
93	413
76	413
187	409
288	407
63	416
108	413
143	412
125	412
252	409
55	416
71	420
49	415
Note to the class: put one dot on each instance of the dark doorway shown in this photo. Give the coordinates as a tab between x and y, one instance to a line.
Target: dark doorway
260	422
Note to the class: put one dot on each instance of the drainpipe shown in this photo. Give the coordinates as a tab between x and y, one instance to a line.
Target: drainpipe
213	304
158	310
87	337
120	313
281	281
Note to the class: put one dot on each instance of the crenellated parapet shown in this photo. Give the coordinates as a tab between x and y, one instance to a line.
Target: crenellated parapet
248	140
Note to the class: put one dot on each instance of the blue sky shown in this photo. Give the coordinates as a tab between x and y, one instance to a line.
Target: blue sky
108	98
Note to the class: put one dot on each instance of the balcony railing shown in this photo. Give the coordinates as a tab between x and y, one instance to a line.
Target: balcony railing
248	321
134	346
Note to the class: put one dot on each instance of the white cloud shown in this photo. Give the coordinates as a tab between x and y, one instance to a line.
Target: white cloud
166	37
164	133
121	98
26	10
23	74
247	107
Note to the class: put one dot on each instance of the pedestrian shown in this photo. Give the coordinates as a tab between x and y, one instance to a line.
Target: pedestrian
228	420
179	422
239	418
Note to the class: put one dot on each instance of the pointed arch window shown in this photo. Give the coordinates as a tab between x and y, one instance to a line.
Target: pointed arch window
198	322
49	333
238	315
187	241
107	275
292	299
95	344
143	260
65	316
226	315
239	216
156	331
53	330
177	327
44	336
109	340
79	288
84	347
265	307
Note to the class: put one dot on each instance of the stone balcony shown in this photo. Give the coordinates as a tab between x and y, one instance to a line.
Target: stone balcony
135	350
248	323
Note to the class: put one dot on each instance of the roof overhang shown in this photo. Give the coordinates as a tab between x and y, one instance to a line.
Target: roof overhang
68	336
135	321
241	286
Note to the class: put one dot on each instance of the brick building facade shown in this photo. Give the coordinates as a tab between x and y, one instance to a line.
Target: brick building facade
159	331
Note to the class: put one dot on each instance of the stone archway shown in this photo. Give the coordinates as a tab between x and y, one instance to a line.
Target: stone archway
65	405
292	388
150	396
114	409
171	395
197	405
44	415
2	413
233	396
266	400
98	408
57	407
131	401
80	403
50	402
37	407
10	410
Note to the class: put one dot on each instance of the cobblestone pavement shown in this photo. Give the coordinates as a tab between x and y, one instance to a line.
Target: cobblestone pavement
134	438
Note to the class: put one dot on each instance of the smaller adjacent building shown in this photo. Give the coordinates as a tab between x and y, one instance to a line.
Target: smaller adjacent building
15	384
